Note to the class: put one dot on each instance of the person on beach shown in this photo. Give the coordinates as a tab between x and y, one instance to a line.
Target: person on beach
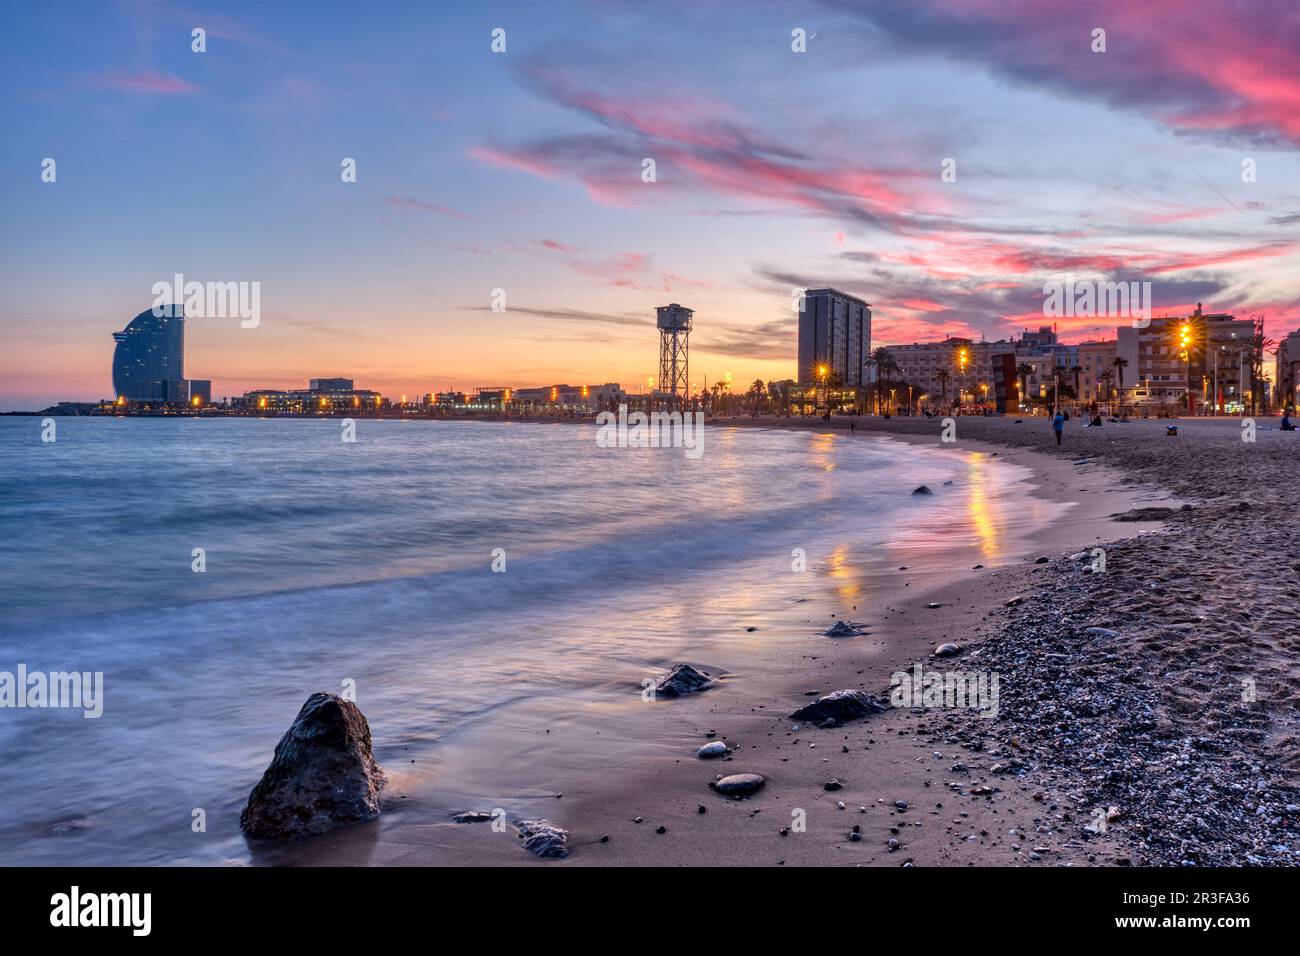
1058	425
1287	424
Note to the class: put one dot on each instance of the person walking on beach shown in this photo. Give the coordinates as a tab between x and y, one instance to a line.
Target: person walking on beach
1058	425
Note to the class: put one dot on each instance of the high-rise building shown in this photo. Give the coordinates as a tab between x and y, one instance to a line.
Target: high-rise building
149	361
835	332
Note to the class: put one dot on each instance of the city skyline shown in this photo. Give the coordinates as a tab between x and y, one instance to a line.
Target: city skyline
522	171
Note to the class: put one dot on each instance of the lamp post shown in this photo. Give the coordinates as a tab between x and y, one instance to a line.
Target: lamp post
1185	343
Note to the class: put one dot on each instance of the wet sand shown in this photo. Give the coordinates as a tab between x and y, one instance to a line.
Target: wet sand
596	788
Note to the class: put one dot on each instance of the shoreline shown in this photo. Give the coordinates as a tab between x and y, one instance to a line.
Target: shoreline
881	760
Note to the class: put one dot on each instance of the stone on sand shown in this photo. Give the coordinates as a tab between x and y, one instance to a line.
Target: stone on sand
1145	514
1101	632
681	680
946	650
544	839
323	774
739	784
715	749
840	706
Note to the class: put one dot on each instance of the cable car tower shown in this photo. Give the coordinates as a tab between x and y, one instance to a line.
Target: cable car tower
674	354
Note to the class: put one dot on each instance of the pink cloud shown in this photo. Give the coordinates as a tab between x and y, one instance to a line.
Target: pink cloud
408	203
142	82
1218	67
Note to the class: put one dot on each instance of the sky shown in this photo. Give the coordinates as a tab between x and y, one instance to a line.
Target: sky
522	171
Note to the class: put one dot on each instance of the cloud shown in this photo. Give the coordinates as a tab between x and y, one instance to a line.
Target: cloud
575	315
143	81
698	145
1219	69
408	203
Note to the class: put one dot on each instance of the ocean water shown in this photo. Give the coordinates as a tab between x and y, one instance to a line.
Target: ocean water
371	563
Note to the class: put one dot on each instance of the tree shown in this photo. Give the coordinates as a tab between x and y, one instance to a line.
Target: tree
1023	371
943	377
1076	370
758	390
1259	344
1120	363
1106	377
885	367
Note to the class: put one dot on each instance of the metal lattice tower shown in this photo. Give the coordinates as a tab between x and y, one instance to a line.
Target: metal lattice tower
674	353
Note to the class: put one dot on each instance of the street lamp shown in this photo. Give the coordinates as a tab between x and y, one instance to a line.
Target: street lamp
1185	343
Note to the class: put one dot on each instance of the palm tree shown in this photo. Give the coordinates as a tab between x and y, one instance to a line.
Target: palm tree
1120	363
1076	370
1259	344
716	389
1106	378
758	390
885	365
1023	371
943	376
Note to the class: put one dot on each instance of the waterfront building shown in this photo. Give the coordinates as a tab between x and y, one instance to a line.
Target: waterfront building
1206	354
1286	375
1095	359
149	359
834	334
327	400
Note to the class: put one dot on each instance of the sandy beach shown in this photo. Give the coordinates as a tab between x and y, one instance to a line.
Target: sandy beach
1164	736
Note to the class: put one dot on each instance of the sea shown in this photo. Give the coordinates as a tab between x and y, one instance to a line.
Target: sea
445	574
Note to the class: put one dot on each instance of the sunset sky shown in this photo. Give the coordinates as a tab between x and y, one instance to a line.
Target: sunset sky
522	171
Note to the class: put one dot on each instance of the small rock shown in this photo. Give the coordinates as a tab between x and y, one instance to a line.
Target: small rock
1145	514
681	680
543	838
840	706
715	749
946	650
922	490
739	784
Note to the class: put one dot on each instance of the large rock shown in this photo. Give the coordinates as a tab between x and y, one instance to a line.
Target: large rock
323	774
682	679
841	629
840	706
